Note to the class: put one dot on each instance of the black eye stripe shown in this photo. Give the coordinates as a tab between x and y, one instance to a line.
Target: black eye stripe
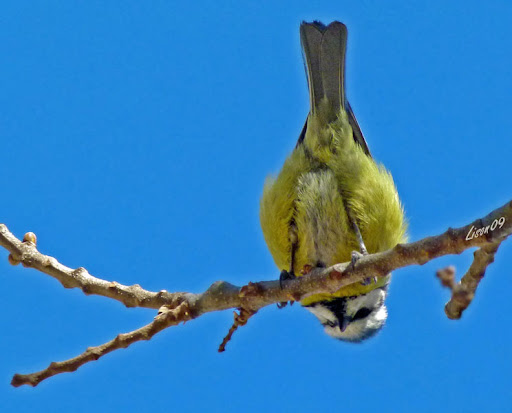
361	313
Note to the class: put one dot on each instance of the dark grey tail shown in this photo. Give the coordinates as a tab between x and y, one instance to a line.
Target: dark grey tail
324	49
324	56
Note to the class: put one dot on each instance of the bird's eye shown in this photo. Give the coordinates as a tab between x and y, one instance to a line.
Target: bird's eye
361	313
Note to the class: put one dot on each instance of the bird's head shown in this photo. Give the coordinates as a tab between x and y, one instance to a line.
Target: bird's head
353	318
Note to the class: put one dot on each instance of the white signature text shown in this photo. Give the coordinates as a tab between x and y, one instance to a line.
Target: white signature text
481	231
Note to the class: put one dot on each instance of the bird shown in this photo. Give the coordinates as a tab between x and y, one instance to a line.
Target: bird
332	202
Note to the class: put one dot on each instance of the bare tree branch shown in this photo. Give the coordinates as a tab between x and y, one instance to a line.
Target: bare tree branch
162	321
463	292
131	296
486	233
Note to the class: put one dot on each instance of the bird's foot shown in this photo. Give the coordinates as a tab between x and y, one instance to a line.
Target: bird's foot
369	280
356	256
285	276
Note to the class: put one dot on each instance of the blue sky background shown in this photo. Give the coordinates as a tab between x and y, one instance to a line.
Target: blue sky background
135	139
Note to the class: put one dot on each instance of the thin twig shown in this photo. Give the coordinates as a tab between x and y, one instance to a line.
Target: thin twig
239	321
131	296
163	320
464	291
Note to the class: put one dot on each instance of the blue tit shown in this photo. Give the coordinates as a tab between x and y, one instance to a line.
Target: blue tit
331	197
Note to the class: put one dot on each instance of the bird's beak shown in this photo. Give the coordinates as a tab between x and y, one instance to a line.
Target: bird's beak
344	324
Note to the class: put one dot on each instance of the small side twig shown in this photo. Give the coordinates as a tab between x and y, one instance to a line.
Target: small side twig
464	291
163	320
240	320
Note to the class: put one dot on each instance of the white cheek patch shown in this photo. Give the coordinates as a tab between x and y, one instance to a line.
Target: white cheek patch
378	317
373	299
323	314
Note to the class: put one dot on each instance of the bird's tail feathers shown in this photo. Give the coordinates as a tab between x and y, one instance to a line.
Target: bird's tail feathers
324	49
324	56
